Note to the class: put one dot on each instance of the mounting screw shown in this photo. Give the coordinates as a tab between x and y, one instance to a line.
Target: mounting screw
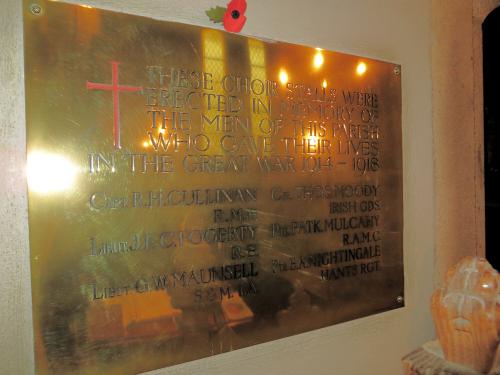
397	70
400	299
36	9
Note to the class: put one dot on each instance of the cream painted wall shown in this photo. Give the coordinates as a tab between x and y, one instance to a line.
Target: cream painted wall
392	30
457	78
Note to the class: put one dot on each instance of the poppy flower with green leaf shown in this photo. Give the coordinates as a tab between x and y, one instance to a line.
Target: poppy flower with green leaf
233	17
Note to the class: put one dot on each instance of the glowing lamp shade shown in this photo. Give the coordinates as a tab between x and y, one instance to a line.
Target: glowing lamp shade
49	173
361	69
318	60
283	76
313	140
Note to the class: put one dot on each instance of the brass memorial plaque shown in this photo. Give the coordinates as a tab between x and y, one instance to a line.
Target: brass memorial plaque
193	191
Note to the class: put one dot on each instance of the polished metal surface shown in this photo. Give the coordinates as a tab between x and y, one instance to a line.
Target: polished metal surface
193	192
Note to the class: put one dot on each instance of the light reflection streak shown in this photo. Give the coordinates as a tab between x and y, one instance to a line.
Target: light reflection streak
49	173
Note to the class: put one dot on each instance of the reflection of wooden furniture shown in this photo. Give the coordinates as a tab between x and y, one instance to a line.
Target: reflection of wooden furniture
133	316
236	311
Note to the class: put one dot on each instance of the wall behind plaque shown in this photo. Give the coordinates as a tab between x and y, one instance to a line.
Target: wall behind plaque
393	30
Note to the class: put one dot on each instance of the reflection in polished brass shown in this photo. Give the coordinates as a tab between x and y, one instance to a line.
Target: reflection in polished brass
193	192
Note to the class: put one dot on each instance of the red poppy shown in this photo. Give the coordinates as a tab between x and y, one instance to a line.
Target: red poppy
234	18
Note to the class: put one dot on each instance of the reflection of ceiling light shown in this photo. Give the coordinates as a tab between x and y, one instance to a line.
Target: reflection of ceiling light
361	68
145	144
49	173
162	131
318	59
324	84
283	76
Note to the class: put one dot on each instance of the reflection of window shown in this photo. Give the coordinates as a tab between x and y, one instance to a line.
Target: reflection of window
213	54
213	45
257	56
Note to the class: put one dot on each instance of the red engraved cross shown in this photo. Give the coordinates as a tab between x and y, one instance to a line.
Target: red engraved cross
116	89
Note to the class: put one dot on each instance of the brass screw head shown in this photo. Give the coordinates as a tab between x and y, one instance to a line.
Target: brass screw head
36	9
